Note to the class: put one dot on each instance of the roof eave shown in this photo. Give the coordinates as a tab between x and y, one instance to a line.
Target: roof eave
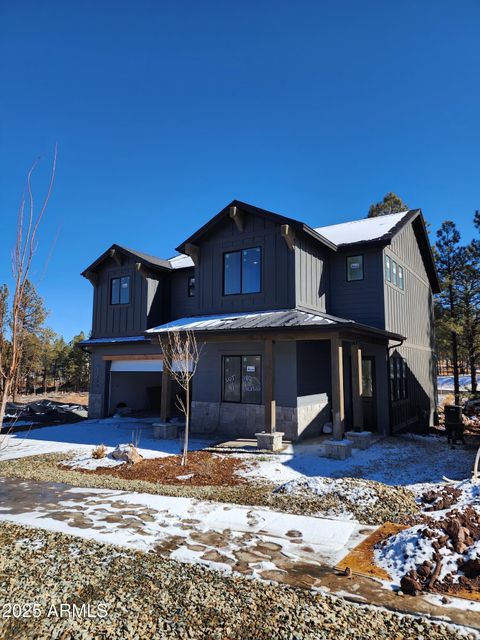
96	263
333	327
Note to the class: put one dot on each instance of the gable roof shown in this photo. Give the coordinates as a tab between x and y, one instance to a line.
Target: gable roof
381	230
177	262
263	213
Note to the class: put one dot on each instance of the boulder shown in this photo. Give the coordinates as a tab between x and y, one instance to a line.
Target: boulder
128	453
410	586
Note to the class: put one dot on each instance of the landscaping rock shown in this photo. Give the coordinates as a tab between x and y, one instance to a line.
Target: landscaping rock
147	596
128	453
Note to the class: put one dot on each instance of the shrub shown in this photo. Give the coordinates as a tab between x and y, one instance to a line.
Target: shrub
99	452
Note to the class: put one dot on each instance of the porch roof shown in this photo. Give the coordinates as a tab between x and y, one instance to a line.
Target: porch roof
287	319
119	340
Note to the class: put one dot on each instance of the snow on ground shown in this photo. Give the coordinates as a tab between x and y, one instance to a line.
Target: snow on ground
409	549
445	383
363	495
401	460
85	436
187	528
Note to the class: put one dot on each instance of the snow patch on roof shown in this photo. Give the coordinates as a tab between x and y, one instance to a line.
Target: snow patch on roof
114	340
361	230
249	320
181	261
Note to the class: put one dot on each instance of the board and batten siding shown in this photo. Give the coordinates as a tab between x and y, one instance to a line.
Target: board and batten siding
410	313
310	275
278	268
360	300
144	310
180	303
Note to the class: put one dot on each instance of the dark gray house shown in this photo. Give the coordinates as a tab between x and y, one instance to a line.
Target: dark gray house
301	326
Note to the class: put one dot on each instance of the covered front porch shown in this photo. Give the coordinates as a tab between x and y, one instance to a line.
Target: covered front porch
295	380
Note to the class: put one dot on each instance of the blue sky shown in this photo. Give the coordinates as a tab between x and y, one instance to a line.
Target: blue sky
166	111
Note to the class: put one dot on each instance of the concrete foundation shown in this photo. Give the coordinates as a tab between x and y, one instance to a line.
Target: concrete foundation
360	439
270	441
165	430
337	449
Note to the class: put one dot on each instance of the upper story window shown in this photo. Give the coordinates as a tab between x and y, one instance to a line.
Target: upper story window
191	286
354	268
120	290
242	271
400	277
388	269
394	273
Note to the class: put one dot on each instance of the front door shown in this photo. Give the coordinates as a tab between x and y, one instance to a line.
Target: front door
369	396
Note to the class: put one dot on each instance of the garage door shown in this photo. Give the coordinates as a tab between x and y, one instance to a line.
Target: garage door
137	365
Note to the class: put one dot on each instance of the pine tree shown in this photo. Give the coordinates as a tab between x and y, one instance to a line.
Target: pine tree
77	365
450	259
391	203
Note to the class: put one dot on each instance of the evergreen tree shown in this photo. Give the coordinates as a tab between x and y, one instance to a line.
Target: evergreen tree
450	259
391	203
78	365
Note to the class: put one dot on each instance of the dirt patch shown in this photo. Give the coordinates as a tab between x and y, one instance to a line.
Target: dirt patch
202	469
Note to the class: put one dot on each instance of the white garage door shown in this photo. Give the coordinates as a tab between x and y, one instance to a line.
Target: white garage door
137	365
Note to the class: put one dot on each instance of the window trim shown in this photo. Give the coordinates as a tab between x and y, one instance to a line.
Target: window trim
190	287
120	304
355	255
241	293
240	356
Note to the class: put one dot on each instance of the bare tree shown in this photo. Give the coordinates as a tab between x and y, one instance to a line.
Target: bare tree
28	223
181	355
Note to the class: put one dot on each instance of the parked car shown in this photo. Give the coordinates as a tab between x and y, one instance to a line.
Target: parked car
472	407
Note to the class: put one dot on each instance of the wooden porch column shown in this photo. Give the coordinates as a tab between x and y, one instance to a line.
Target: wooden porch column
338	405
166	396
356	354
268	394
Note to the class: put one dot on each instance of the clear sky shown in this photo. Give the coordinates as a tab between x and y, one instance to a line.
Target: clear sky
166	111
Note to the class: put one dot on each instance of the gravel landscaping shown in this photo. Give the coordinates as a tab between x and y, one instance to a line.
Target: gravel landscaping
394	504
145	596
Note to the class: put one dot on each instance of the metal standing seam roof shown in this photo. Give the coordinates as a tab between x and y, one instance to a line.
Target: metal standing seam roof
249	320
119	340
278	319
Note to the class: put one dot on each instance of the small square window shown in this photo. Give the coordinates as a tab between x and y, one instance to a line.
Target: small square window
388	269
354	268
191	286
120	290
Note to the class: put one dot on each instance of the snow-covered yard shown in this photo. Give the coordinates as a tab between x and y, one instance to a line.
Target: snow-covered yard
84	436
401	460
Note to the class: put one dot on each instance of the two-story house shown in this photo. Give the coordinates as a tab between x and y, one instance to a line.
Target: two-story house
300	326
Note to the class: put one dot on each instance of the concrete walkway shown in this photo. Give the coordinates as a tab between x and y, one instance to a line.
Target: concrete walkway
297	550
